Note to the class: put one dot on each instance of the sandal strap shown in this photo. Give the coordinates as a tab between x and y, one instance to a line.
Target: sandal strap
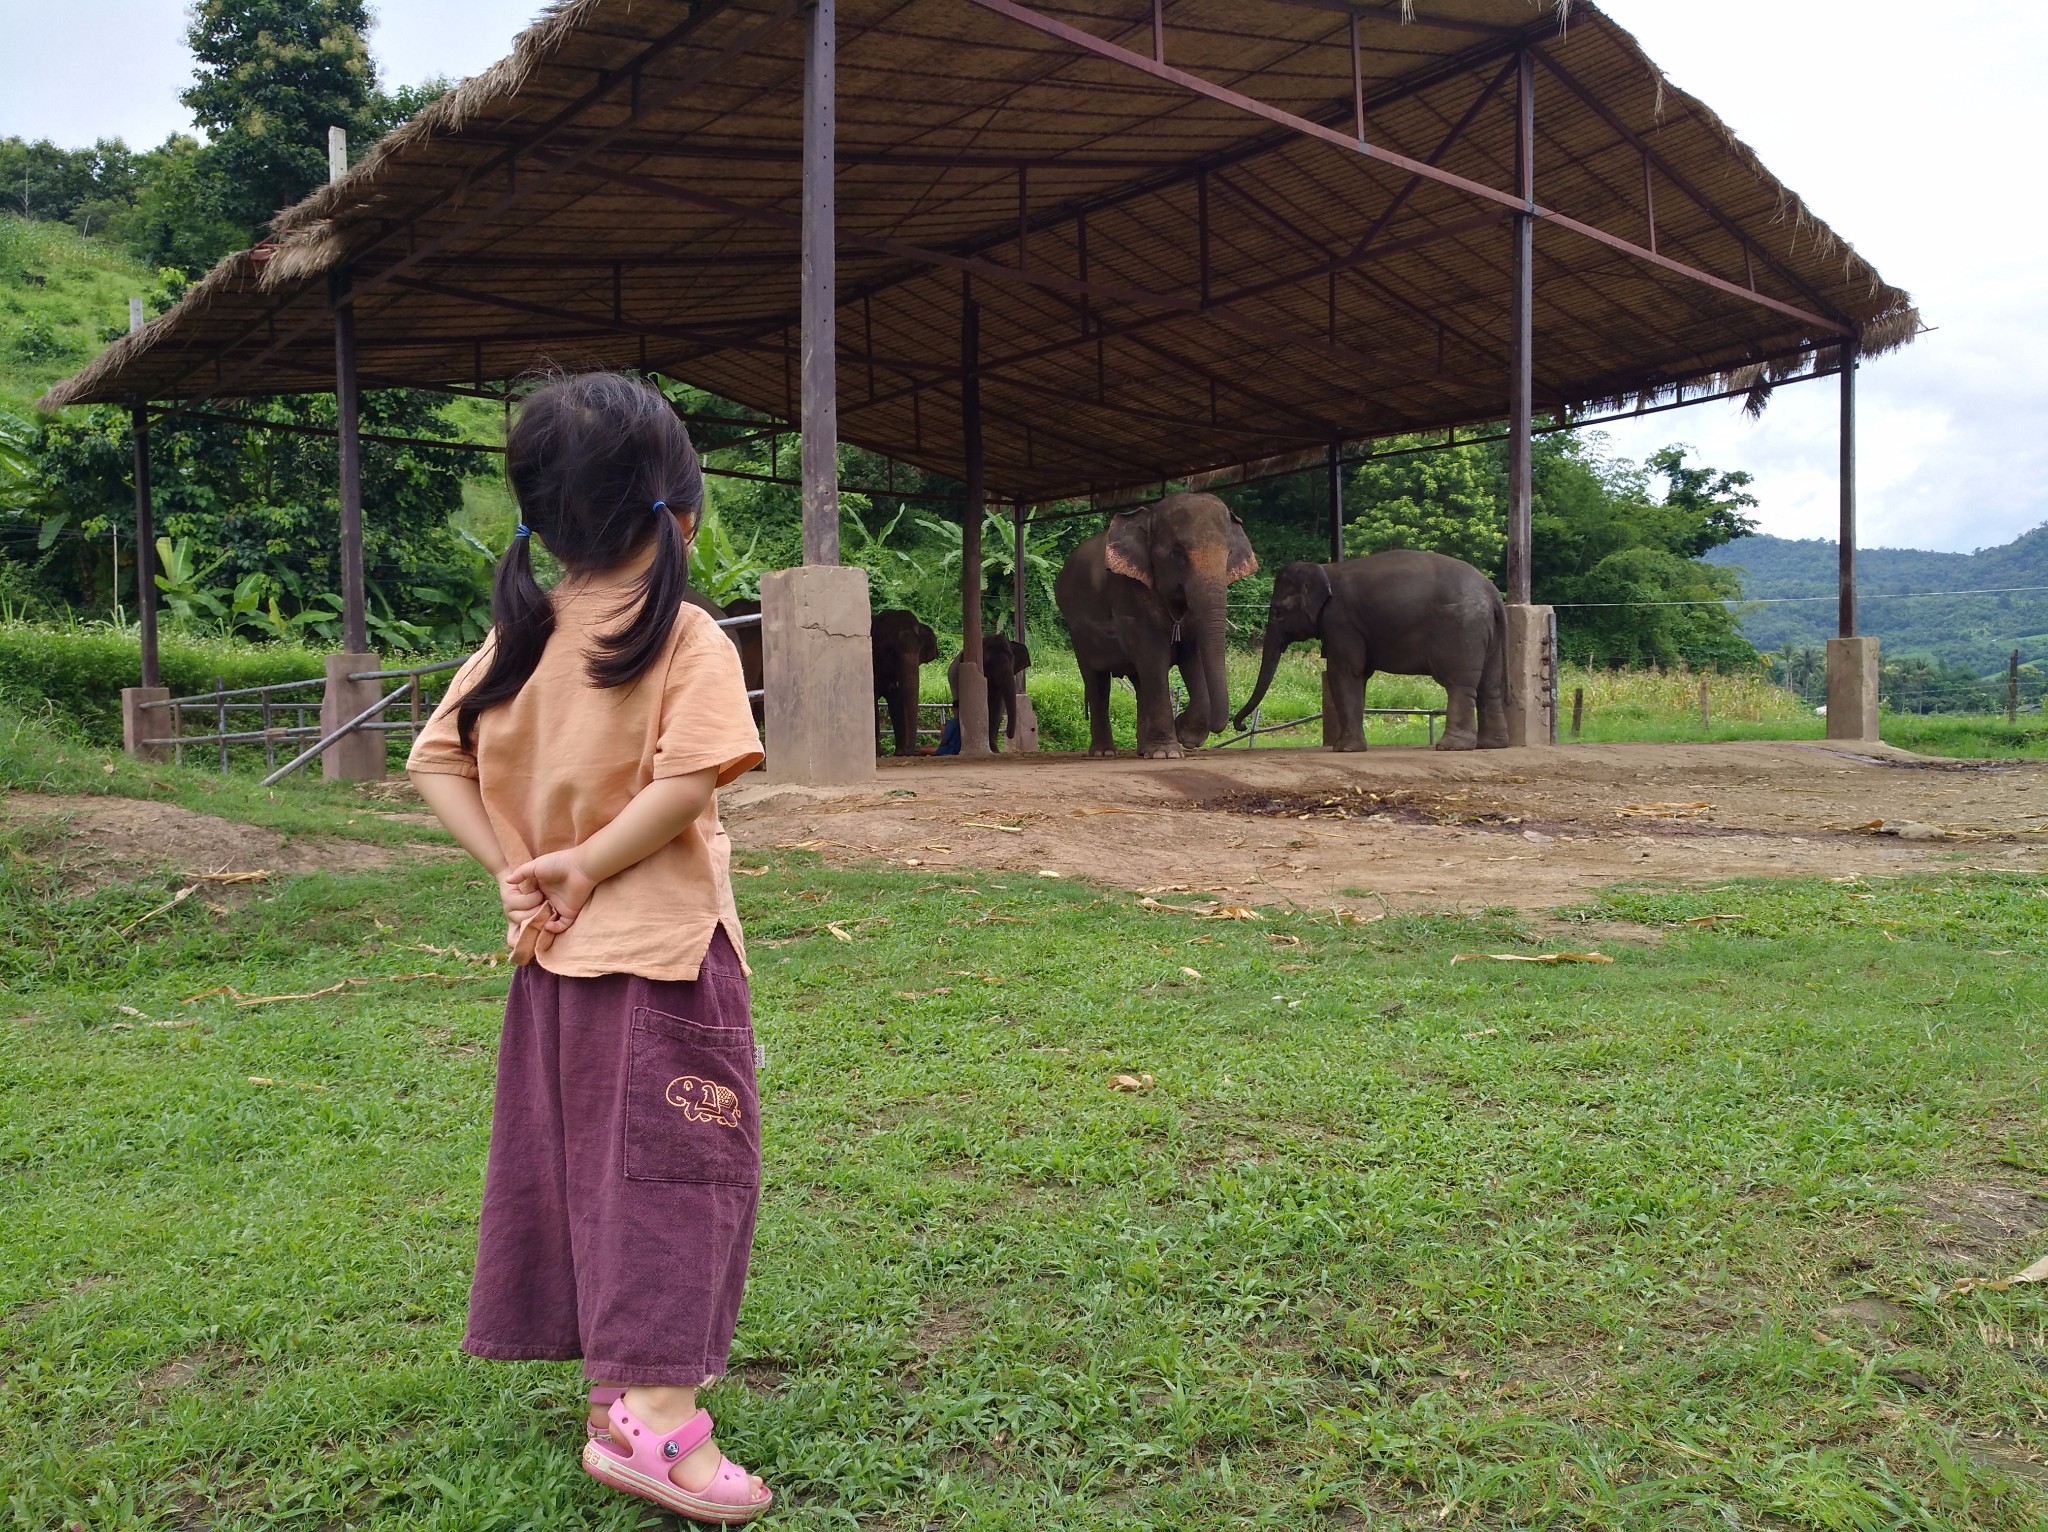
637	1437
604	1397
731	1485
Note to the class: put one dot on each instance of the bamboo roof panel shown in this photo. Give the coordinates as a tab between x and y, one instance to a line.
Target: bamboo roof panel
625	190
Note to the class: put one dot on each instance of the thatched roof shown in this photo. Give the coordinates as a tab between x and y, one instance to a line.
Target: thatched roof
624	190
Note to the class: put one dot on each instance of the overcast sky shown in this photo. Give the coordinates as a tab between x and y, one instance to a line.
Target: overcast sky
1900	123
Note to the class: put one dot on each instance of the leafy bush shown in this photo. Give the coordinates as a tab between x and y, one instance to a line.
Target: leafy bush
79	670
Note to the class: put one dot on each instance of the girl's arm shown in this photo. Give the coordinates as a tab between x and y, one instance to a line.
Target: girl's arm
459	804
659	812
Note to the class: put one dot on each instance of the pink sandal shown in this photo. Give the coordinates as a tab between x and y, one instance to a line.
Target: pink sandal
641	1466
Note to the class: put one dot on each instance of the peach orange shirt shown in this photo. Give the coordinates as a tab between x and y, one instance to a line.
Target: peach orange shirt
559	762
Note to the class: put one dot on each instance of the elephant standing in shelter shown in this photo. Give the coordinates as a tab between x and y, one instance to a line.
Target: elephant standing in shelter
900	645
746	638
1002	661
1147	593
1405	612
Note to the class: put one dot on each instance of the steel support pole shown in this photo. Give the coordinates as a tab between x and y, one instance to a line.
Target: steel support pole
1846	548
1335	466
145	545
355	638
819	421
1520	474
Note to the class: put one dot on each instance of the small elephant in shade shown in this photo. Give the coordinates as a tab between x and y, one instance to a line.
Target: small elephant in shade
746	638
1405	612
900	645
1002	661
1146	594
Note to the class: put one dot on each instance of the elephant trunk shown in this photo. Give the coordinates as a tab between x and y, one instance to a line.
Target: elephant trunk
1210	609
1269	662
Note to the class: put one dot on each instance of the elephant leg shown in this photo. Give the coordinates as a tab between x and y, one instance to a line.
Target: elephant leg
1191	728
1461	729
1156	739
997	699
903	714
1095	686
1347	696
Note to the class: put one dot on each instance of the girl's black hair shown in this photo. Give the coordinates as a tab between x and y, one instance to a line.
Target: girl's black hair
589	459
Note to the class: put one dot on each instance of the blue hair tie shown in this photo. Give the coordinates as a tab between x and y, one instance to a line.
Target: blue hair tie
522	530
661	505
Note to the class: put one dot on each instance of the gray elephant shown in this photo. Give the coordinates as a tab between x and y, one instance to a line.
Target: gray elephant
746	638
1148	593
900	645
1002	661
1405	612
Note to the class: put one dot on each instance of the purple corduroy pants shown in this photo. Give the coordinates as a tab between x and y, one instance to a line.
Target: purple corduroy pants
624	1171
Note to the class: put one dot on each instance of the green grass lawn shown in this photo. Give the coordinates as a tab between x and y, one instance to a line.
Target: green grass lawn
1393	1242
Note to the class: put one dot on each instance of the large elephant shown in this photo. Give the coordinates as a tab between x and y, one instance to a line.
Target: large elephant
1148	593
1405	612
900	644
1002	659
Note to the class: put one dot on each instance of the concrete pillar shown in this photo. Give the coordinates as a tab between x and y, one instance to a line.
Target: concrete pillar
1026	741
1532	675
1852	688
817	670
141	727
359	757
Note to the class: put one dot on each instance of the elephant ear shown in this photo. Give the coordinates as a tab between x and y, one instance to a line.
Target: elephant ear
1243	560
1309	585
1128	544
1020	657
927	645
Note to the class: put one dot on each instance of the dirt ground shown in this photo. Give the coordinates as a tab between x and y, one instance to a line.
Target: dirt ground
1531	829
98	840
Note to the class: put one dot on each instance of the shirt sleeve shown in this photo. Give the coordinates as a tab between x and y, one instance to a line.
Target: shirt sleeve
438	748
706	720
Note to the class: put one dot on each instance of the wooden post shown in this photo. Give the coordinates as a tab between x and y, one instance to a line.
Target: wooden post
1845	552
1578	709
145	545
1520	340
1706	720
2012	688
973	699
819	420
220	726
1334	465
355	635
1017	574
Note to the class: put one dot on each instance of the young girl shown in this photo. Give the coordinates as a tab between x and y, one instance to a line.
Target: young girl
576	756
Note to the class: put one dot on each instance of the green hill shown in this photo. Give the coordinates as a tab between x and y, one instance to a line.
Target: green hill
61	297
1977	631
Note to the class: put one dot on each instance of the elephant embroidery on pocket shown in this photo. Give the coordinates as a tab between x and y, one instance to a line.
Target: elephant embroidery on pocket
704	1100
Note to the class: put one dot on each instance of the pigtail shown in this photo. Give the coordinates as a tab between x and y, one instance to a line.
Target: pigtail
522	617
622	654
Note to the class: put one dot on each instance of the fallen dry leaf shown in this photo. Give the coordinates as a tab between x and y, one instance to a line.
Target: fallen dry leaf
1709	920
229	877
1149	903
1483	1032
1523	957
1130	1082
750	872
1192	973
2038	1272
923	994
1353	918
261	1080
1663	810
839	931
983	824
170	904
1233	912
1045	872
1279	939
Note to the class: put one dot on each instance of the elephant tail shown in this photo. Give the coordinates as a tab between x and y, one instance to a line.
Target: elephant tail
1493	674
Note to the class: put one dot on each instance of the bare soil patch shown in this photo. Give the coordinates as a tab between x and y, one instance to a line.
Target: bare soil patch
96	841
1419	829
1991	1226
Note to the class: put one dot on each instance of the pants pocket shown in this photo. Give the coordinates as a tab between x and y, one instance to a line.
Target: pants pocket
692	1113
